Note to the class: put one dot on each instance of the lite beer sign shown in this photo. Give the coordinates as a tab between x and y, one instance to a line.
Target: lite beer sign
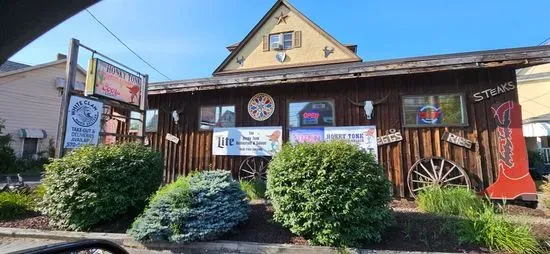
457	140
491	92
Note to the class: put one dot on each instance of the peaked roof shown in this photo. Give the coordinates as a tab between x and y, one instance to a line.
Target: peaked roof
11	66
39	66
264	19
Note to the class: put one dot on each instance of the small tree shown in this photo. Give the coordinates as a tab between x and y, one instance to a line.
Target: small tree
7	155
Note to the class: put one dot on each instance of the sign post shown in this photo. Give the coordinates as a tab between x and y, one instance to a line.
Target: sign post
70	77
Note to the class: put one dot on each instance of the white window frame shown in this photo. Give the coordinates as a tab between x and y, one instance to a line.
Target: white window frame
280	40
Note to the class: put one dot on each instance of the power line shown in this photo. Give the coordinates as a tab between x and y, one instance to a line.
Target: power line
544	42
127	45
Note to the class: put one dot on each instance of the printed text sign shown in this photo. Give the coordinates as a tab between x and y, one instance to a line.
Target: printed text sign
248	141
83	119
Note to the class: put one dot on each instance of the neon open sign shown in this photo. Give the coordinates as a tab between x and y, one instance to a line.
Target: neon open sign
311	115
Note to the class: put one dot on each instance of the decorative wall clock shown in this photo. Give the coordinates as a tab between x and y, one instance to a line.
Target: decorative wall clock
261	106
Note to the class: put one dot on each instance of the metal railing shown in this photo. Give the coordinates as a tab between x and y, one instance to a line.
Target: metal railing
545	153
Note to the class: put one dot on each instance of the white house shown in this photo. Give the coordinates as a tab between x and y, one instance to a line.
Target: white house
30	99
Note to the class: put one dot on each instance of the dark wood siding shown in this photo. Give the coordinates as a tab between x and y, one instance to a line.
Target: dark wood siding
193	152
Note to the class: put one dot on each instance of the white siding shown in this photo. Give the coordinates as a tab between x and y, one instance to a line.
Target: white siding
30	100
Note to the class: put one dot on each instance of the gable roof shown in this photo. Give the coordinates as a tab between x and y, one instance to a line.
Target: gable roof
39	66
509	58
238	46
12	66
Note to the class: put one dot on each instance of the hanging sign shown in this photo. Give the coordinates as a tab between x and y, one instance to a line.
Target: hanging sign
457	140
492	92
513	179
172	138
394	136
363	136
248	141
261	106
106	80
305	135
83	122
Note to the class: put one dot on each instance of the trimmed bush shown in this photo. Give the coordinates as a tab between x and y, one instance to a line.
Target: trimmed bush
332	193
488	228
448	200
254	189
13	205
96	184
198	207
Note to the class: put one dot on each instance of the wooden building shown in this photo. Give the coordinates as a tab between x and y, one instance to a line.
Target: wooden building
289	58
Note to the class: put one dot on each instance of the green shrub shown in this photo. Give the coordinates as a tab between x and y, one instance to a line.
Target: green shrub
254	189
7	155
96	184
13	205
487	228
198	207
332	193
448	200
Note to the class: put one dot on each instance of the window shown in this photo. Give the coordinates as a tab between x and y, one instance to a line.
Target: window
216	116
311	113
280	41
435	110
30	146
135	124
151	120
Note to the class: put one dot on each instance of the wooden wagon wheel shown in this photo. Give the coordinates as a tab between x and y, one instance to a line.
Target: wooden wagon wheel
253	168
436	171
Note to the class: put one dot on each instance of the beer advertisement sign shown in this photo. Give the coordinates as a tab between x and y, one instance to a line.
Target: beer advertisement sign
106	80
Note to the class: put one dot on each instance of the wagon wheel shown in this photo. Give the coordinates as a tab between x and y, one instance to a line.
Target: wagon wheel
253	168
436	171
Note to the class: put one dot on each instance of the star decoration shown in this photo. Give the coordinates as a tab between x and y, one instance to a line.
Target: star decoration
240	60
281	18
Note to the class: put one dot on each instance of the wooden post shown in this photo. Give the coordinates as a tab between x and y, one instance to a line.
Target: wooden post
143	106
70	76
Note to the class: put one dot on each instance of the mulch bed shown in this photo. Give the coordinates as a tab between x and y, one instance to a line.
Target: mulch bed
413	230
28	221
260	228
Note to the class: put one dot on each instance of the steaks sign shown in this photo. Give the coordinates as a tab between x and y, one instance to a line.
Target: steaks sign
492	92
457	140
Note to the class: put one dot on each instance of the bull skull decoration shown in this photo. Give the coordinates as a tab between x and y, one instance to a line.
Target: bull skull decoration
368	106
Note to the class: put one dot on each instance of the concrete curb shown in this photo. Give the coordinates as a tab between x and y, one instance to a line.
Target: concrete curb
199	247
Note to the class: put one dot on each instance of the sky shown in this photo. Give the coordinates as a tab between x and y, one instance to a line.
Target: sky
187	38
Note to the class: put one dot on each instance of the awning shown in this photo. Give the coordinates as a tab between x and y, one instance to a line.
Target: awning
32	133
538	129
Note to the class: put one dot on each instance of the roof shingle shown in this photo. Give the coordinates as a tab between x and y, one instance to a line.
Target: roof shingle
12	66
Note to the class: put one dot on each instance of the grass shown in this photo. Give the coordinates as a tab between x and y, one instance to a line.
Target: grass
488	228
254	189
448	201
13	205
481	222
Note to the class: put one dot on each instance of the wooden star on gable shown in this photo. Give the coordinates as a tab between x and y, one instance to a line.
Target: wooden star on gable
281	18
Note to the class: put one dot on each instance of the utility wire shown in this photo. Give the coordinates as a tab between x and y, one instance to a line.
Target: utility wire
544	42
114	35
